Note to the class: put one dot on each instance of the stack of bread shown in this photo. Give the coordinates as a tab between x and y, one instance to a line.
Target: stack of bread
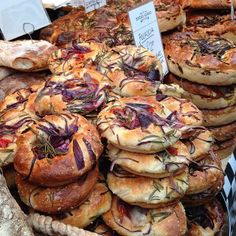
203	68
158	149
164	174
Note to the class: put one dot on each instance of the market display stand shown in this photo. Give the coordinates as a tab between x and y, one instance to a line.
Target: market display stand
229	192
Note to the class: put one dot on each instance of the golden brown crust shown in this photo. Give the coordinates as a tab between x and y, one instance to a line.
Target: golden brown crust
205	220
25	55
57	150
132	71
141	118
58	199
79	55
218	117
199	144
13	123
205	196
212	24
154	193
204	96
12	83
201	59
78	91
224	149
187	112
206	4
171	161
224	132
98	203
103	230
134	221
204	174
169	14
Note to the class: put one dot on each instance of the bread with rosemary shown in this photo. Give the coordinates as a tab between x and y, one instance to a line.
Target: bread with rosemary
200	58
130	220
57	150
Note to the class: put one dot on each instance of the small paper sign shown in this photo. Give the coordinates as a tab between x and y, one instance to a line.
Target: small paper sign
91	5
146	31
16	15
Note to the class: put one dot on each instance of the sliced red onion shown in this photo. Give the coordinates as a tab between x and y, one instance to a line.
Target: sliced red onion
90	151
160	97
78	154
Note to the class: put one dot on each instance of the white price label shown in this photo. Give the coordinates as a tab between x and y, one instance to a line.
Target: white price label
146	31
77	3
91	5
19	17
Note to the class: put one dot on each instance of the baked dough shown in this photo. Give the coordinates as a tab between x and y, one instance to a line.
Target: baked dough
154	193
199	144
141	118
132	71
207	4
79	55
79	91
135	221
4	72
224	149
98	203
186	112
200	58
224	132
25	55
203	96
204	174
57	150
17	81
212	23
205	220
13	123
169	162
169	14
205	196
57	199
218	117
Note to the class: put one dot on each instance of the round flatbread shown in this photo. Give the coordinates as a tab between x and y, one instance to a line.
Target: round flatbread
98	203
199	144
57	199
218	117
172	161
79	91
144	119
204	174
204	220
135	221
132	71
79	55
200	58
204	96
212	23
57	150
154	193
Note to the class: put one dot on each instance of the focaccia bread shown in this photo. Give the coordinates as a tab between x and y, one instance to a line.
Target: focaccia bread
130	220
169	14
207	4
212	23
12	83
4	72
205	220
203	59
203	96
25	55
